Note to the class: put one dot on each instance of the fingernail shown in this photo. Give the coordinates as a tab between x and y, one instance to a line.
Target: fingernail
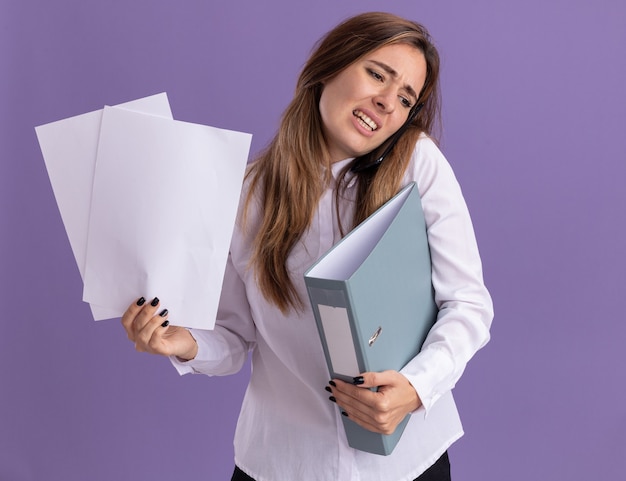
328	389
344	413
163	313
141	301
165	323
358	380
332	398
154	302
332	383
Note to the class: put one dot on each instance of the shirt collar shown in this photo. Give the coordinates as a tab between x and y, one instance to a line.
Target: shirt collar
337	167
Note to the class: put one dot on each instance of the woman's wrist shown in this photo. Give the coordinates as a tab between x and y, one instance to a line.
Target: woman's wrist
191	353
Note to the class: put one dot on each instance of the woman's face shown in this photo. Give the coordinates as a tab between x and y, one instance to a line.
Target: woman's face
370	99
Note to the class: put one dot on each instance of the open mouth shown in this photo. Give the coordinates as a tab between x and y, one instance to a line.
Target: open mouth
364	120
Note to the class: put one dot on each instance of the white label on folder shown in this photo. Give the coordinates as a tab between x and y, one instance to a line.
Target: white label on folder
339	340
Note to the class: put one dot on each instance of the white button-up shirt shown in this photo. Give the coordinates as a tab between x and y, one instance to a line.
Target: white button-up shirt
288	429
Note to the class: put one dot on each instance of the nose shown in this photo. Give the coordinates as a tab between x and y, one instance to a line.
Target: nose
384	100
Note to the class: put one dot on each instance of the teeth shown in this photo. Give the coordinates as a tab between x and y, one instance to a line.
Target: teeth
365	120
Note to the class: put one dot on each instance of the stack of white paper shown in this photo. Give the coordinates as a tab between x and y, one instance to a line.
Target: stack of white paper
149	205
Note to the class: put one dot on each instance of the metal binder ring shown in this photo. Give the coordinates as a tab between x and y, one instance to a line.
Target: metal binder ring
375	336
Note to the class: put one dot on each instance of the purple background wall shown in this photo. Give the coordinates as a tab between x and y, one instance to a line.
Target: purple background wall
533	125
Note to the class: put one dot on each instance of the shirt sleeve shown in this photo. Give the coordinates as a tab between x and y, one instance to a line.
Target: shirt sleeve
224	349
465	306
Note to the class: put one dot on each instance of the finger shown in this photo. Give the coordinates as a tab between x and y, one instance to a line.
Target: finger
359	413
149	337
375	409
129	316
352	393
361	390
352	398
363	421
384	422
143	317
375	379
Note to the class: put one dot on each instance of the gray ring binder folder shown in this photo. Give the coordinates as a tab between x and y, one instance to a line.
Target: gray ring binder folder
373	302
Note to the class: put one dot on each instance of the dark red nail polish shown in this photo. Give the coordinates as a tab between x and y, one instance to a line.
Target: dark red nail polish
332	398
163	313
155	302
141	301
328	389
165	323
332	383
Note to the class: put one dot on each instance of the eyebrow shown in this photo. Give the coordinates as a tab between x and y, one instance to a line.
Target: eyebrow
393	73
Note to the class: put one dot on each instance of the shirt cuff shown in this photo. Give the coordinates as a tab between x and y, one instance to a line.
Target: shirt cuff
424	372
215	356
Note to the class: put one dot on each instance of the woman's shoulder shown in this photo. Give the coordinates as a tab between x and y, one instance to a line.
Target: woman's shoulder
427	147
427	160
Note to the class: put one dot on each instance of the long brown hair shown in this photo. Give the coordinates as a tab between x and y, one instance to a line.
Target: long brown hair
287	179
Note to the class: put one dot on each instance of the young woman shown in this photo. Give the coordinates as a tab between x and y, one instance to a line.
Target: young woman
372	77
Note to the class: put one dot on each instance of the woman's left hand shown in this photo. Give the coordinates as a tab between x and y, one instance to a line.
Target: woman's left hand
379	411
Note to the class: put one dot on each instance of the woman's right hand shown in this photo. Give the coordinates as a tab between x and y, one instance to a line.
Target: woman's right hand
147	326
